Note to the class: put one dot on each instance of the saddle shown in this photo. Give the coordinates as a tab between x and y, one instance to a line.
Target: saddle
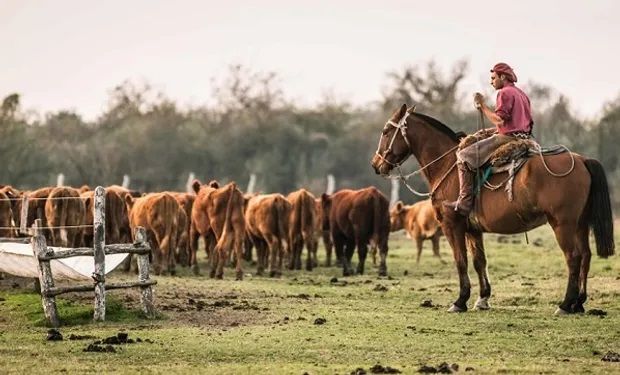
509	157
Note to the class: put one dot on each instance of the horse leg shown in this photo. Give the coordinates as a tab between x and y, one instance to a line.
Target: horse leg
566	236
454	229
476	248
586	254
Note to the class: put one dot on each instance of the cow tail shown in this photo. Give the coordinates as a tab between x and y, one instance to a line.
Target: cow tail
63	205
221	243
377	222
168	242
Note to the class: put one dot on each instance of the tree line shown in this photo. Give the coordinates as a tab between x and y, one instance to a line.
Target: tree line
253	128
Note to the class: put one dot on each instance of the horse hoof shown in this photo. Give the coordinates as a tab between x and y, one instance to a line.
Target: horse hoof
482	304
560	311
455	309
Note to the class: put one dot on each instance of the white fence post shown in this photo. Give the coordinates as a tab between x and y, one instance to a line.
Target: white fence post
99	252
188	185
60	180
394	195
331	184
46	280
126	181
251	184
146	296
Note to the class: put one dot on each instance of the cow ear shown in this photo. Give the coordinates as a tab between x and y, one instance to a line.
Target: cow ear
129	201
214	184
196	185
399	207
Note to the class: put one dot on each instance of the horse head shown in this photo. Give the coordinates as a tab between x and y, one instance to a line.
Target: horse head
394	147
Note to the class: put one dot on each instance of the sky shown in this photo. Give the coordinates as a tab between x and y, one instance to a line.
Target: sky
69	54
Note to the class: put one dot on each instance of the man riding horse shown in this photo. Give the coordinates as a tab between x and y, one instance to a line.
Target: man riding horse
511	117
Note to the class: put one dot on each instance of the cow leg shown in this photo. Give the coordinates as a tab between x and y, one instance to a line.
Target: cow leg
298	249
362	251
261	260
327	242
347	257
419	243
193	249
274	256
435	242
311	245
383	251
239	249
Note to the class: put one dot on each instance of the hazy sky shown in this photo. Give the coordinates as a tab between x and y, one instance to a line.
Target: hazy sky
68	54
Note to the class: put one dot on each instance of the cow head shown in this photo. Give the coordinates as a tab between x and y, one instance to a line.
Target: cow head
396	217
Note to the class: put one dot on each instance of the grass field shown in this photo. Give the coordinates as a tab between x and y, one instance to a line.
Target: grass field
270	326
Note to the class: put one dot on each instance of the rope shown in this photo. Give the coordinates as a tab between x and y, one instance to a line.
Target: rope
42	199
572	159
404	178
60	227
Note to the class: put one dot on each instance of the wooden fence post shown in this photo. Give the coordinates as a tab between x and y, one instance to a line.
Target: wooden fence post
45	275
99	252
146	296
23	217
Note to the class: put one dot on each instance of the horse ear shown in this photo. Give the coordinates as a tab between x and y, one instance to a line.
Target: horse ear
411	109
403	110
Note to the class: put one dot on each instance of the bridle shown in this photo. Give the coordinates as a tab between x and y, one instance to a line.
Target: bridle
402	126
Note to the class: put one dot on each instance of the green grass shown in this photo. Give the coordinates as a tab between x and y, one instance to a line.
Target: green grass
363	326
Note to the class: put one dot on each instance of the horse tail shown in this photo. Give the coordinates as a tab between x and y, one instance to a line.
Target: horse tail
598	215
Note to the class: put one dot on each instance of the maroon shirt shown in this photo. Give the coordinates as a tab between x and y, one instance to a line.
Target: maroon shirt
513	106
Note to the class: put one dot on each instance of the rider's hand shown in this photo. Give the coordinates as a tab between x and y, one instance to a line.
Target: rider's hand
478	100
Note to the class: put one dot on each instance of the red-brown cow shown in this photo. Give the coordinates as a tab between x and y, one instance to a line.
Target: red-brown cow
186	202
321	226
115	213
158	214
217	215
420	223
267	219
64	211
302	229
355	218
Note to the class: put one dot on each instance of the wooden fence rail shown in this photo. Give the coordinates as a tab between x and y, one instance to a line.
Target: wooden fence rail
98	252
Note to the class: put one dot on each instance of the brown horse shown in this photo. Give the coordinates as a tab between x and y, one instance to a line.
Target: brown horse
571	205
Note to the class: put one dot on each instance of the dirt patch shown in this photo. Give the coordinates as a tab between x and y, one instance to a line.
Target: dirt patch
320	321
443	368
54	335
611	357
380	288
376	369
597	312
427	303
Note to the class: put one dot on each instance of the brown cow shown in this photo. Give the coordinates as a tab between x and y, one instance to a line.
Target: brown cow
7	224
14	196
186	202
355	218
158	214
217	215
267	218
115	213
302	229
322	229
64	211
419	221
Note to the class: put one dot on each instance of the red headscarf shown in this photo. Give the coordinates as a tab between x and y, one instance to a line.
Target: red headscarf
506	70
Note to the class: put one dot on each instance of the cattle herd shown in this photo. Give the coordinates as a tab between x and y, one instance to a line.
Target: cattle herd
230	223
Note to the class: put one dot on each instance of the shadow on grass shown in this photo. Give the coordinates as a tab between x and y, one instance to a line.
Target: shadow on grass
28	307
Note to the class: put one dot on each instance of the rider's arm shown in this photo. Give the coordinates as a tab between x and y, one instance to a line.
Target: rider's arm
491	115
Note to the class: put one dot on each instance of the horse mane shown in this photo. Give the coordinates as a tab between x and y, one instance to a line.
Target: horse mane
456	137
